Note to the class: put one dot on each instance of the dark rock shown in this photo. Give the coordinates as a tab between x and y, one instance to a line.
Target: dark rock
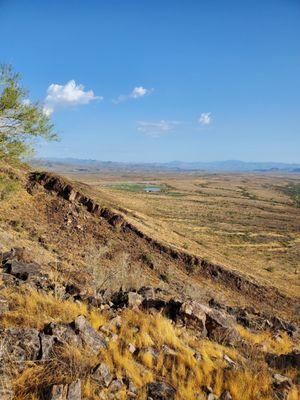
92	339
220	326
155	303
279	324
126	299
194	314
16	253
21	270
147	292
215	304
72	289
160	391
116	220
284	361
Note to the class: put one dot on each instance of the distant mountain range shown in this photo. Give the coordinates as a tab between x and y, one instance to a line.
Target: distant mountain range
81	165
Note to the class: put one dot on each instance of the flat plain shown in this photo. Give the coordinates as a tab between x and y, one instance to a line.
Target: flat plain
246	222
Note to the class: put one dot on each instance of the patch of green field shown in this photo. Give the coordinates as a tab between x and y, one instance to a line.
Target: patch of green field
139	187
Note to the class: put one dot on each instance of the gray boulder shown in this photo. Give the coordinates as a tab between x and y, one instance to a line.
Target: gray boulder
59	333
160	391
90	338
22	270
193	314
74	390
102	375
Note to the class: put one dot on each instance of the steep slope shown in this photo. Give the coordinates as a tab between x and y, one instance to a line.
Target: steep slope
194	266
92	308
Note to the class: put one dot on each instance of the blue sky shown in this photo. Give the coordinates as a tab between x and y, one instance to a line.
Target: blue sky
163	80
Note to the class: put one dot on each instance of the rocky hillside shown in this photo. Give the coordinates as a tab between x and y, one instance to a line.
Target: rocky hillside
92	308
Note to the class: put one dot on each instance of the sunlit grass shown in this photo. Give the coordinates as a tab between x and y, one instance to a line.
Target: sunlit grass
33	309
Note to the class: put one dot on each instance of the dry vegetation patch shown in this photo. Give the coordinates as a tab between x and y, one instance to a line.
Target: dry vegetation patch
248	222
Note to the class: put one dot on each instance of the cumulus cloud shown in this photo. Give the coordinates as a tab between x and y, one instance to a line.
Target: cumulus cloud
156	129
66	95
205	118
137	93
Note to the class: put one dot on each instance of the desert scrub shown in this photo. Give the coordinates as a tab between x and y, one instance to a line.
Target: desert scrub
32	309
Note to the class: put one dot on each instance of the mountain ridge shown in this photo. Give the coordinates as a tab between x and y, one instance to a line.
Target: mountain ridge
176	165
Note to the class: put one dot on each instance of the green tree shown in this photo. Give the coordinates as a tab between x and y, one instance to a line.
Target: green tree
20	120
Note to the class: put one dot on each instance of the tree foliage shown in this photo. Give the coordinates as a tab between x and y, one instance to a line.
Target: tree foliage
20	120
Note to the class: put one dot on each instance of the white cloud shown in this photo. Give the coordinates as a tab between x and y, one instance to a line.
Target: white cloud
66	95
205	119
137	93
156	129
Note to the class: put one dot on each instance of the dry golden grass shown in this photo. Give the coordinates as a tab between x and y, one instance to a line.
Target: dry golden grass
65	366
281	344
178	366
33	309
150	334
